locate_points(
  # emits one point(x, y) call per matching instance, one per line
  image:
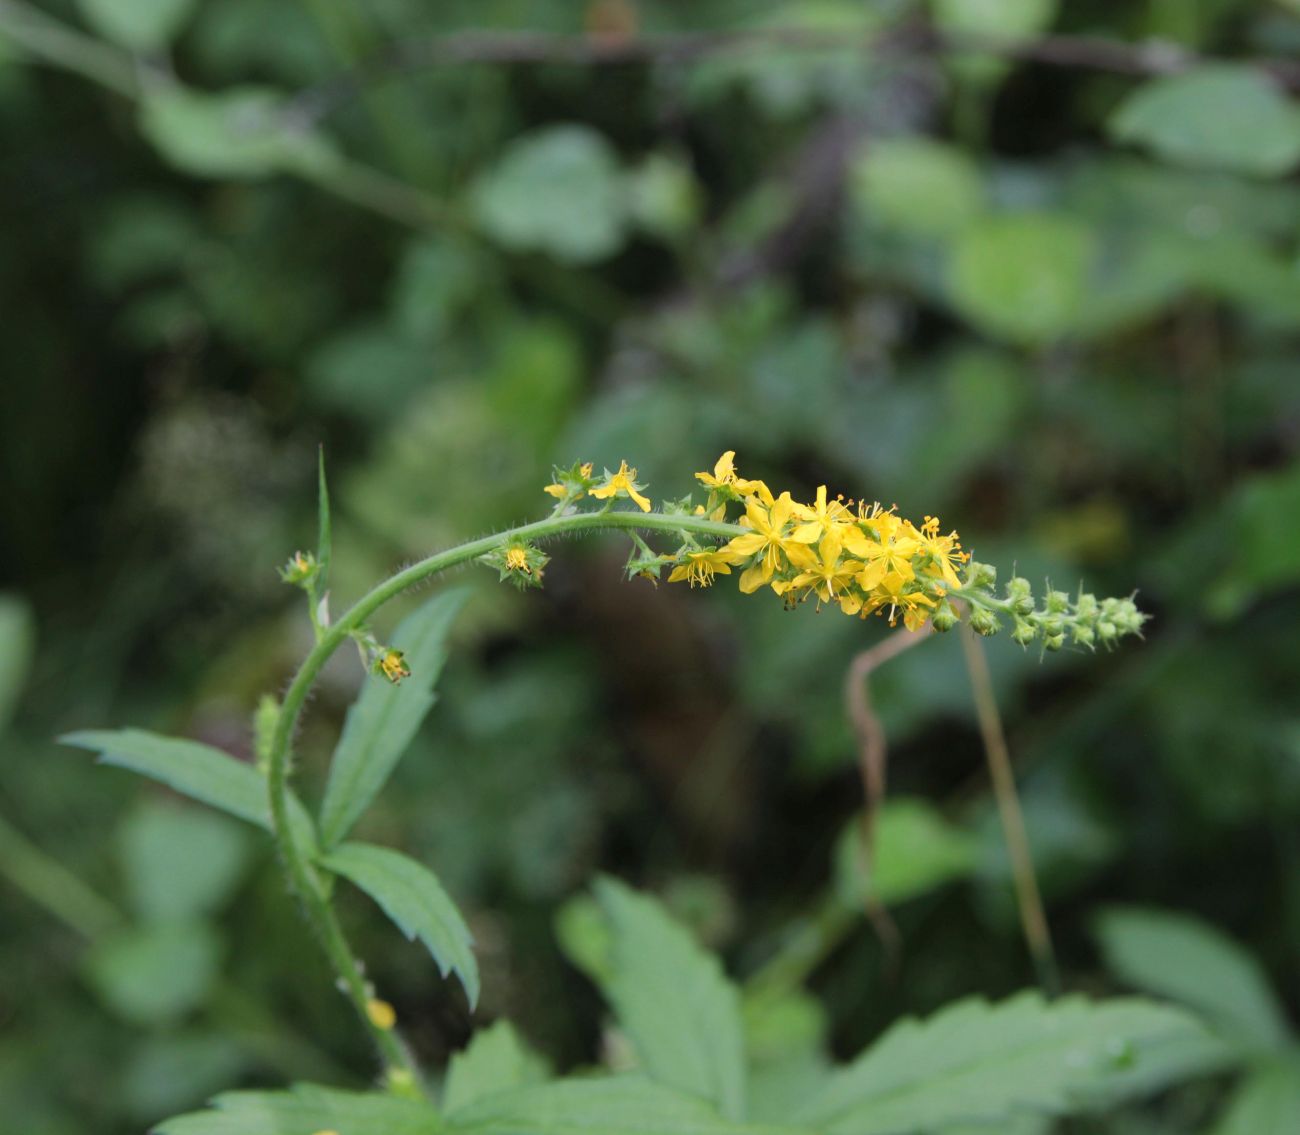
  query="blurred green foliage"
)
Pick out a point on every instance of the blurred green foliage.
point(1056, 304)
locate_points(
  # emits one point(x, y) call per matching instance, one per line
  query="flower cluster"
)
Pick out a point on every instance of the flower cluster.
point(860, 556)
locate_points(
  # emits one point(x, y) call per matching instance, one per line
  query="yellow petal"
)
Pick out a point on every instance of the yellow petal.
point(643, 502)
point(746, 545)
point(752, 578)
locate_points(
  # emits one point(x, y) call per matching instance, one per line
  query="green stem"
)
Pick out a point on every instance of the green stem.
point(297, 864)
point(53, 42)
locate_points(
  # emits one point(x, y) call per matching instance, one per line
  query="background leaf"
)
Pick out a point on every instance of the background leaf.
point(673, 1000)
point(916, 850)
point(1268, 1099)
point(412, 897)
point(623, 1105)
point(180, 862)
point(1189, 961)
point(975, 1061)
point(140, 25)
point(157, 973)
point(496, 1061)
point(17, 641)
point(1226, 117)
point(386, 715)
point(305, 1110)
point(1022, 277)
point(557, 190)
point(240, 133)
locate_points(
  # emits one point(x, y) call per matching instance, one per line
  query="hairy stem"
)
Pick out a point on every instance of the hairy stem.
point(296, 860)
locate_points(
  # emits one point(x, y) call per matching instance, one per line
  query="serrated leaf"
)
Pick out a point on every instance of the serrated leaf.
point(1022, 277)
point(671, 997)
point(619, 1105)
point(241, 133)
point(305, 1110)
point(558, 190)
point(17, 639)
point(139, 25)
point(497, 1060)
point(1218, 115)
point(1190, 961)
point(195, 770)
point(384, 718)
point(412, 897)
point(974, 1061)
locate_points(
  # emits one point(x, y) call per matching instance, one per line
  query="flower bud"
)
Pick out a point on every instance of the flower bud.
point(984, 622)
point(1056, 603)
point(1053, 642)
point(1024, 631)
point(944, 617)
point(1020, 594)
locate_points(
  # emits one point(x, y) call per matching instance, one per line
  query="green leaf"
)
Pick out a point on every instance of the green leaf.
point(305, 1110)
point(382, 721)
point(1267, 1100)
point(1189, 961)
point(241, 133)
point(155, 974)
point(917, 185)
point(1022, 277)
point(139, 25)
point(195, 770)
point(558, 191)
point(999, 21)
point(412, 897)
point(671, 997)
point(620, 1105)
point(17, 641)
point(180, 862)
point(1218, 115)
point(916, 850)
point(973, 1061)
point(497, 1060)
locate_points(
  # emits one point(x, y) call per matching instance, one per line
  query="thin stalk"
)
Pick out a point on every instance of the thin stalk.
point(49, 884)
point(298, 868)
point(51, 41)
point(1033, 918)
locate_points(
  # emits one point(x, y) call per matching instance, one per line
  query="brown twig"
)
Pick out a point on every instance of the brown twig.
point(510, 48)
point(1033, 918)
point(873, 768)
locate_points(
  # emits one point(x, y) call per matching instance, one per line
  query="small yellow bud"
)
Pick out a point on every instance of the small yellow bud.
point(382, 1015)
point(517, 560)
point(392, 664)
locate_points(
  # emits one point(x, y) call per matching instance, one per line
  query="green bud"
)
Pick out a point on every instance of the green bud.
point(1084, 635)
point(1052, 625)
point(944, 617)
point(1020, 594)
point(983, 621)
point(1056, 603)
point(1053, 641)
point(1024, 631)
point(981, 575)
point(301, 569)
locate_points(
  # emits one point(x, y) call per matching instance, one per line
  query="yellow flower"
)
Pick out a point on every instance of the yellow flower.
point(557, 490)
point(624, 481)
point(700, 567)
point(768, 540)
point(940, 552)
point(392, 664)
point(825, 573)
point(893, 555)
point(724, 477)
point(382, 1015)
point(820, 517)
point(913, 604)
